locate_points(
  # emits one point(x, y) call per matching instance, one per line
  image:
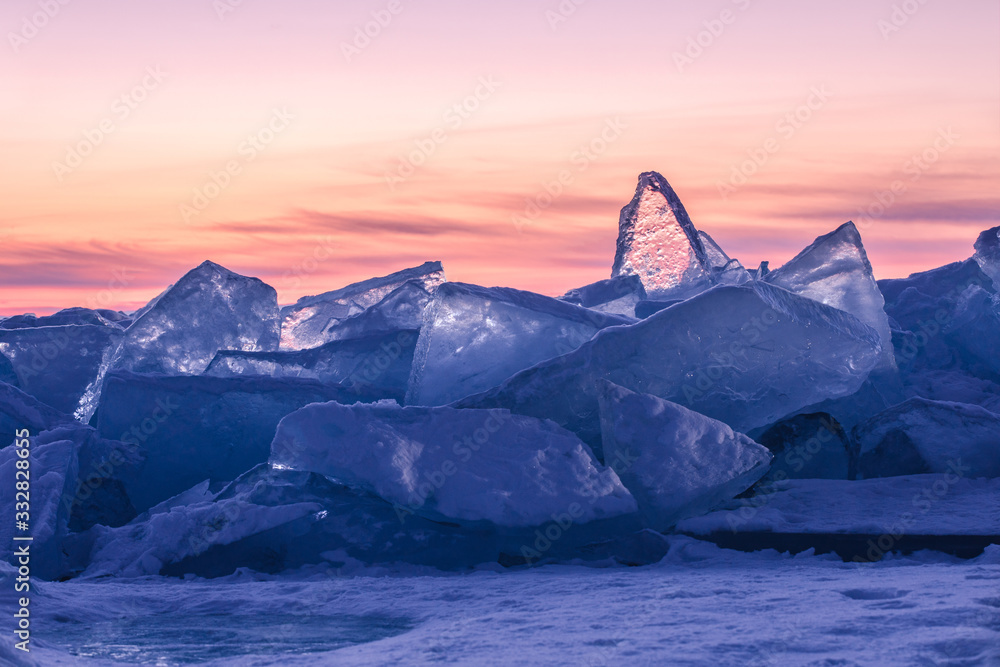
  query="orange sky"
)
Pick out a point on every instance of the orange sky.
point(115, 113)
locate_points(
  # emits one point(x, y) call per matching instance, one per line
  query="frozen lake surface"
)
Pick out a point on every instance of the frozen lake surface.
point(700, 606)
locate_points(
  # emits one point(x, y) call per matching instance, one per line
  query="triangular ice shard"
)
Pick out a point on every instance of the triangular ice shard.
point(835, 271)
point(658, 242)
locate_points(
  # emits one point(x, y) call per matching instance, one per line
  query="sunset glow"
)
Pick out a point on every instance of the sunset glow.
point(282, 141)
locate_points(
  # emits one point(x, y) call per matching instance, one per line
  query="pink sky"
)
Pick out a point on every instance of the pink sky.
point(111, 231)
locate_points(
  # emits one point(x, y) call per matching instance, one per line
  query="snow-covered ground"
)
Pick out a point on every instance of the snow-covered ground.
point(700, 606)
point(910, 504)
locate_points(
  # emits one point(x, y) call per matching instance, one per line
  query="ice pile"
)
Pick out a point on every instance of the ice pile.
point(746, 355)
point(473, 338)
point(59, 363)
point(191, 428)
point(409, 419)
point(180, 331)
point(209, 309)
point(618, 296)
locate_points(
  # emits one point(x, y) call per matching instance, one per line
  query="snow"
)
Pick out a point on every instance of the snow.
point(57, 364)
point(658, 242)
point(470, 466)
point(306, 323)
point(920, 435)
point(189, 428)
point(473, 338)
point(378, 364)
point(700, 606)
point(835, 270)
point(932, 504)
point(746, 356)
point(677, 463)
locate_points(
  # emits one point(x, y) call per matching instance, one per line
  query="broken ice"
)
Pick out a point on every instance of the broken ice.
point(469, 466)
point(658, 242)
point(835, 270)
point(307, 323)
point(473, 338)
point(746, 356)
point(675, 462)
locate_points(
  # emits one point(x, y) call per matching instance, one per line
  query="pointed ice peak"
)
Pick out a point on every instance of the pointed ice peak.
point(840, 250)
point(658, 242)
point(208, 309)
point(988, 254)
point(835, 270)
